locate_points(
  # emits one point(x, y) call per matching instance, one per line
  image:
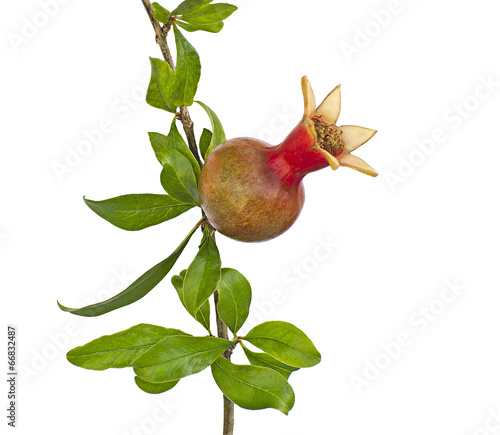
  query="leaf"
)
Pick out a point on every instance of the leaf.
point(210, 14)
point(178, 356)
point(176, 142)
point(178, 178)
point(154, 388)
point(187, 72)
point(218, 135)
point(203, 314)
point(138, 211)
point(285, 342)
point(235, 295)
point(161, 14)
point(253, 387)
point(212, 28)
point(202, 277)
point(189, 6)
point(138, 289)
point(160, 87)
point(121, 349)
point(158, 141)
point(205, 138)
point(265, 360)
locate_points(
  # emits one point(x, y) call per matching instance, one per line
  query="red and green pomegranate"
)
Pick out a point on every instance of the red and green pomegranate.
point(252, 191)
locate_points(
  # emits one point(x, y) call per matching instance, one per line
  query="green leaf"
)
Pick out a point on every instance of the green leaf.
point(218, 135)
point(205, 138)
point(189, 6)
point(161, 86)
point(285, 342)
point(253, 387)
point(178, 178)
point(154, 388)
point(203, 314)
point(202, 277)
point(158, 141)
point(138, 211)
point(161, 14)
point(235, 295)
point(176, 142)
point(212, 28)
point(178, 356)
point(265, 360)
point(121, 349)
point(210, 14)
point(138, 289)
point(187, 72)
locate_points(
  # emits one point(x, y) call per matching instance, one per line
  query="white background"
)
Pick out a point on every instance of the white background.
point(395, 243)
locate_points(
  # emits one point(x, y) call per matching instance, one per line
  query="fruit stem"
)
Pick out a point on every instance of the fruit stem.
point(228, 405)
point(161, 39)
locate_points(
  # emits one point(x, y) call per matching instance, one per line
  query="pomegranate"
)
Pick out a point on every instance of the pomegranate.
point(252, 191)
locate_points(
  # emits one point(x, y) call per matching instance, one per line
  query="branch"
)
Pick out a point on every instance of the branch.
point(228, 405)
point(161, 39)
point(183, 115)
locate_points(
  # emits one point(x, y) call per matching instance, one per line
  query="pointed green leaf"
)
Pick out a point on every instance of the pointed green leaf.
point(218, 135)
point(138, 289)
point(178, 178)
point(189, 6)
point(202, 277)
point(178, 356)
point(158, 141)
point(265, 360)
point(154, 388)
point(161, 86)
point(253, 387)
point(235, 295)
point(285, 342)
point(138, 211)
point(120, 349)
point(210, 14)
point(187, 71)
point(176, 142)
point(161, 14)
point(212, 28)
point(205, 138)
point(203, 314)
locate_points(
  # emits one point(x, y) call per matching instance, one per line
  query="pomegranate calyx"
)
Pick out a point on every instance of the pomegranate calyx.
point(335, 143)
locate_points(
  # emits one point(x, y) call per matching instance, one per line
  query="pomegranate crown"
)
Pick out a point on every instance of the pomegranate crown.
point(335, 143)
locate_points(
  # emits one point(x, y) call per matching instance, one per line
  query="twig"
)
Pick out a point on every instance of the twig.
point(222, 332)
point(228, 405)
point(161, 39)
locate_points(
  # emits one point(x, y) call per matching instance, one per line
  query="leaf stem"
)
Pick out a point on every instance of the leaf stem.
point(161, 39)
point(222, 332)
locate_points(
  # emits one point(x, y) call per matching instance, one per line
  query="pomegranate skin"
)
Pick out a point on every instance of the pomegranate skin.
point(243, 197)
